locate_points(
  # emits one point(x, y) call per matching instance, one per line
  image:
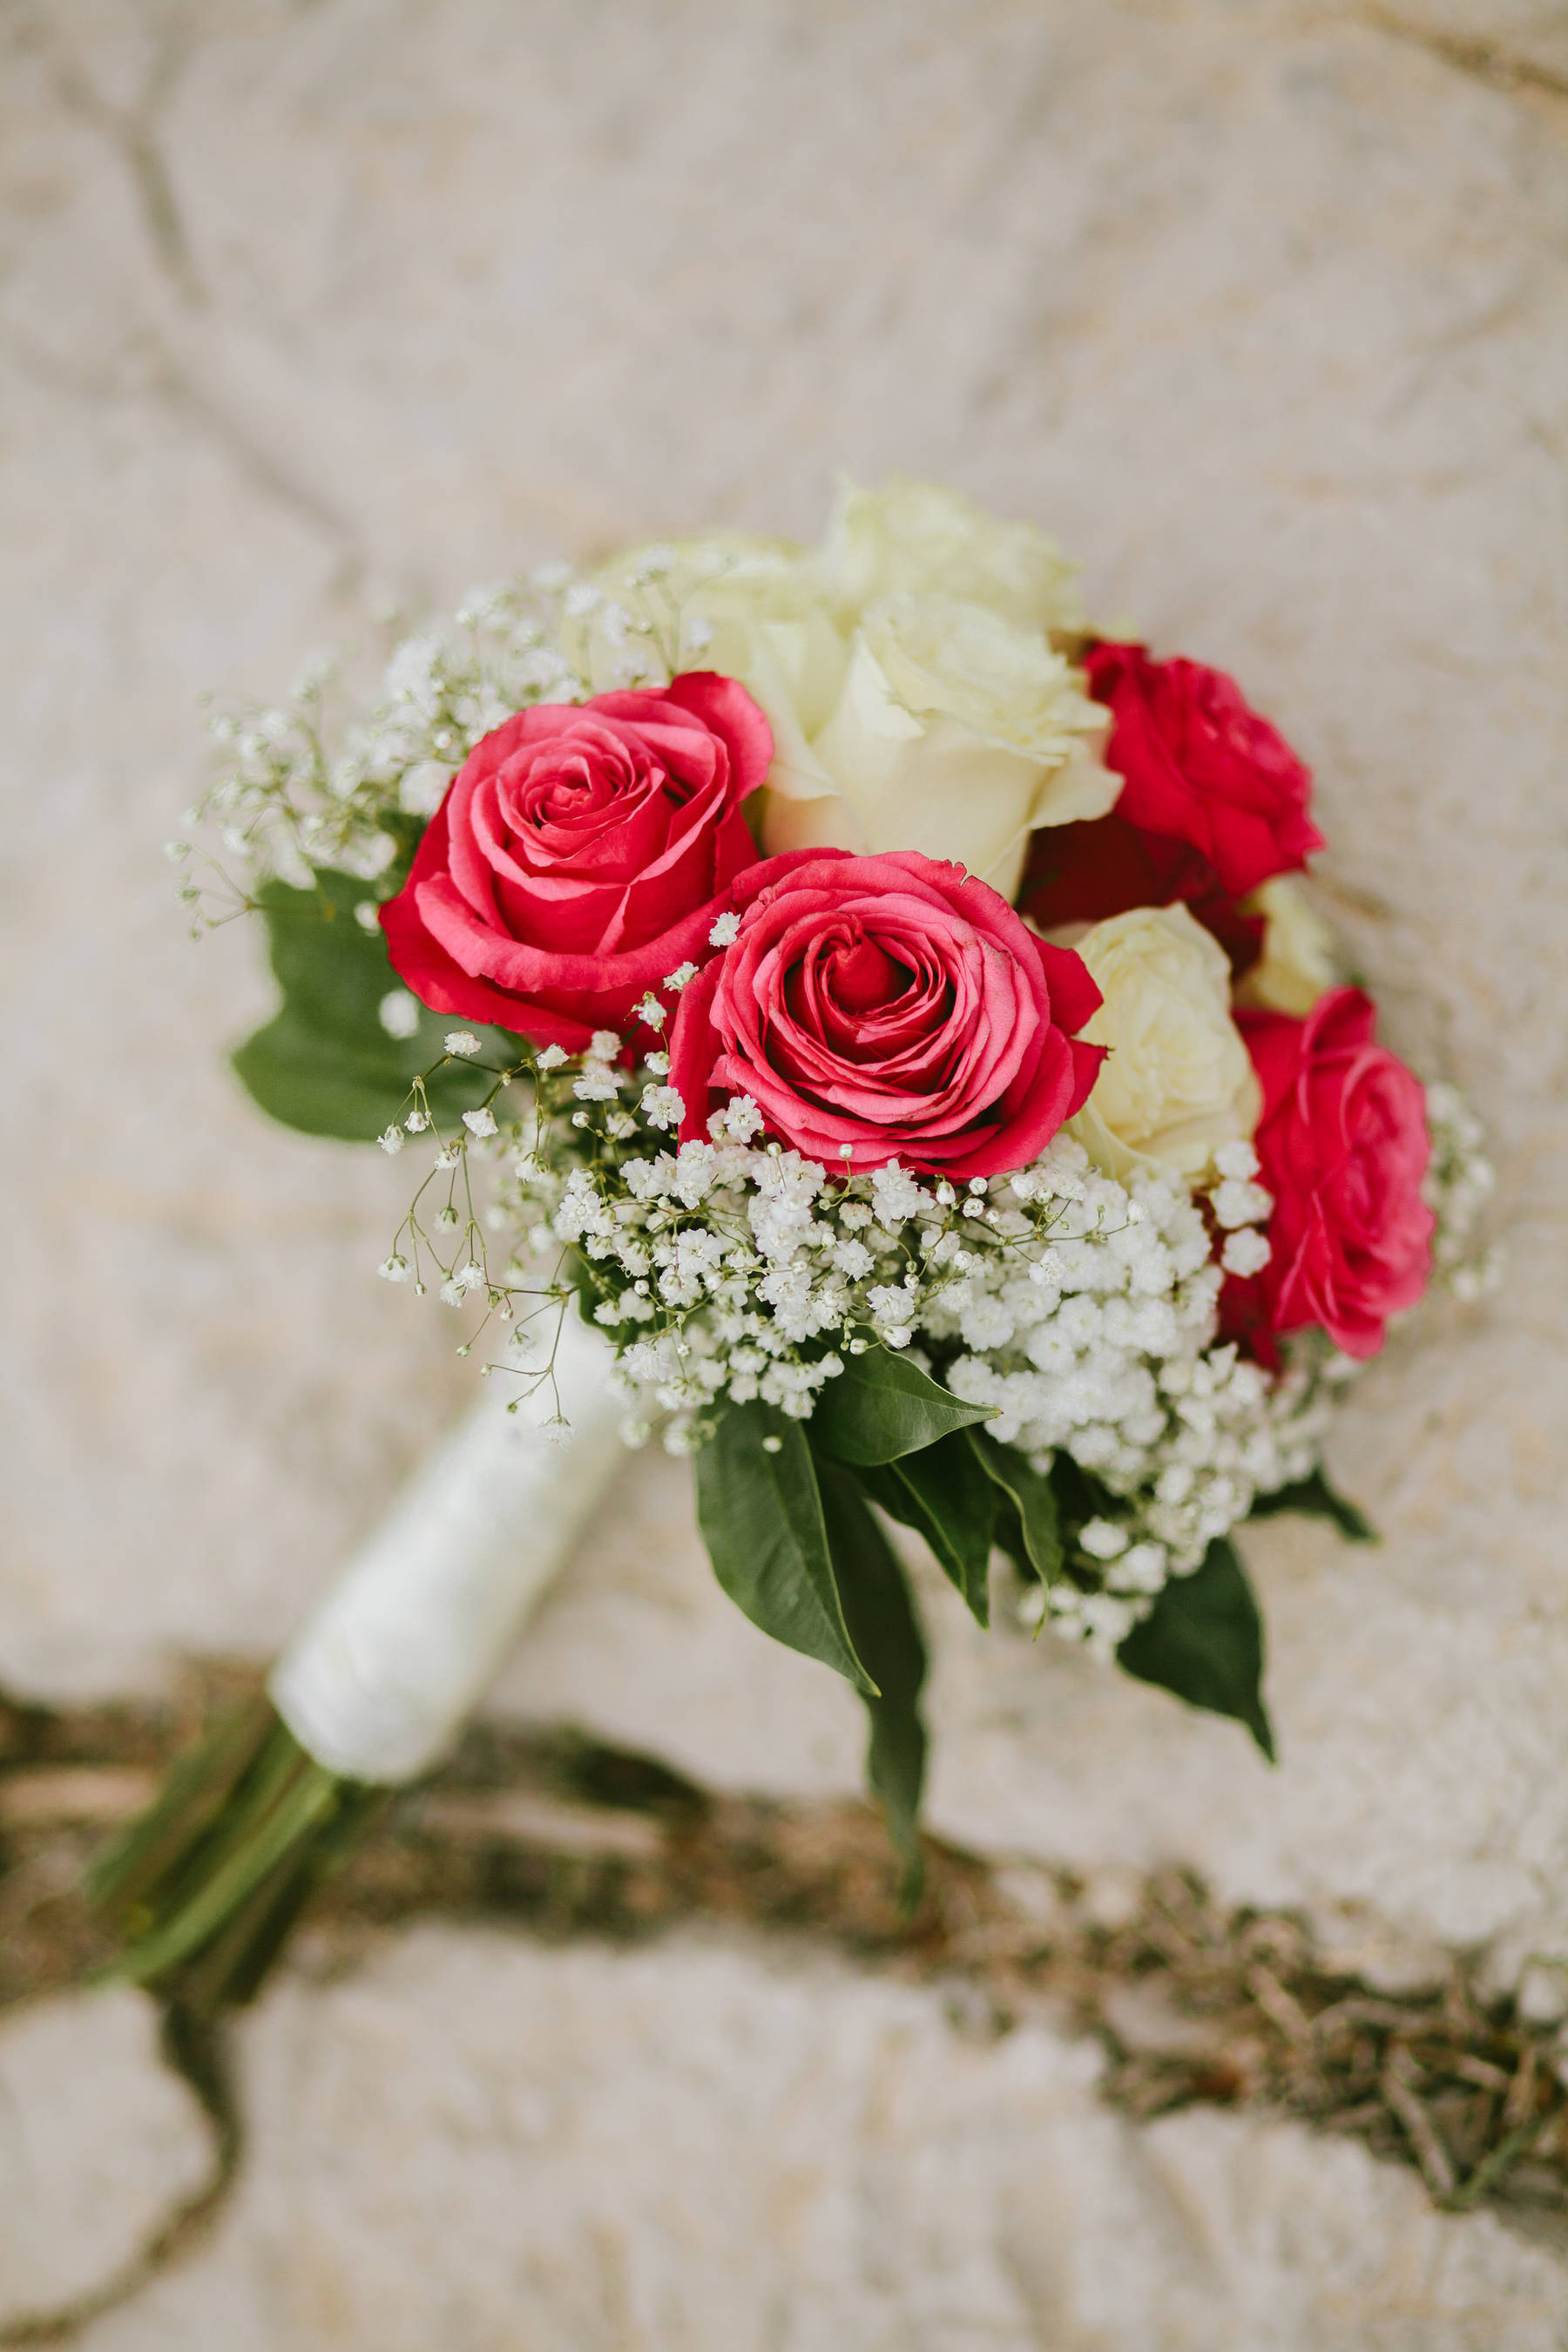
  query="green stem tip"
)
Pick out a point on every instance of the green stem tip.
point(205, 1886)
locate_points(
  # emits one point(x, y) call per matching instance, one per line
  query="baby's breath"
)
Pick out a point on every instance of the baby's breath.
point(1461, 1181)
point(299, 794)
point(730, 1269)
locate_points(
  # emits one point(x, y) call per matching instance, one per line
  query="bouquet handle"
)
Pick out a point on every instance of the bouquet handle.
point(372, 1693)
point(383, 1676)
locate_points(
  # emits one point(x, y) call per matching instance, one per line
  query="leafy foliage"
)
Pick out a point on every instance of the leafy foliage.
point(1028, 1521)
point(882, 1407)
point(796, 1546)
point(881, 1617)
point(760, 1510)
point(1204, 1640)
point(1081, 1496)
point(324, 1063)
point(967, 1494)
point(943, 1492)
point(1315, 1498)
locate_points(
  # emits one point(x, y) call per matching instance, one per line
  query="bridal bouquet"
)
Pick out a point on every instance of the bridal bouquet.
point(849, 1020)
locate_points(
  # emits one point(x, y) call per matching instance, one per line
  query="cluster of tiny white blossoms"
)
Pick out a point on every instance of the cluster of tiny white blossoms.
point(1103, 1347)
point(1082, 1311)
point(731, 1269)
point(298, 795)
point(1461, 1181)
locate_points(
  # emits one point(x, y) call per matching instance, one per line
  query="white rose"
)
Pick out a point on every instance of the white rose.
point(1298, 962)
point(943, 726)
point(1178, 1082)
point(734, 601)
point(918, 538)
point(956, 733)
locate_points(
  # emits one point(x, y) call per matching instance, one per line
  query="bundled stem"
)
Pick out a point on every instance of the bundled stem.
point(208, 1885)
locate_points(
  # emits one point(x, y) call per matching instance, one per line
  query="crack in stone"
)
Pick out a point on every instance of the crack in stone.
point(166, 380)
point(256, 465)
point(133, 132)
point(565, 1839)
point(162, 212)
point(1483, 60)
point(194, 2049)
point(1472, 54)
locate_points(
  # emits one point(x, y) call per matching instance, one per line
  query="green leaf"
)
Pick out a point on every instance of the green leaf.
point(1033, 1528)
point(943, 1492)
point(760, 1511)
point(1204, 1640)
point(881, 1406)
point(1081, 1496)
point(324, 1064)
point(1316, 1498)
point(881, 1618)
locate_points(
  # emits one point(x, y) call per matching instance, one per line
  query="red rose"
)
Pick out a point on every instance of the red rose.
point(1344, 1147)
point(1214, 802)
point(890, 1005)
point(576, 857)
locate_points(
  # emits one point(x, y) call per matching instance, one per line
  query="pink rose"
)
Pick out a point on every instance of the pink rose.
point(886, 1008)
point(1344, 1147)
point(1214, 802)
point(576, 857)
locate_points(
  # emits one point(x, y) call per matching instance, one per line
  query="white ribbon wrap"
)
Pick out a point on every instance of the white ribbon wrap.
point(395, 1658)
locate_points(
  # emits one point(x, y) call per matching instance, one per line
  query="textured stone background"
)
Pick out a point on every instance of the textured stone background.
point(307, 309)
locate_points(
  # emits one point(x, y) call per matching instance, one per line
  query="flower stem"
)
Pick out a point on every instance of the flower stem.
point(208, 1885)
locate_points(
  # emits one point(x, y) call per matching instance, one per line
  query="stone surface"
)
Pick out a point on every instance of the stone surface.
point(474, 2145)
point(1411, 1782)
point(99, 2144)
point(1262, 306)
point(1263, 314)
